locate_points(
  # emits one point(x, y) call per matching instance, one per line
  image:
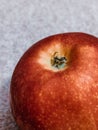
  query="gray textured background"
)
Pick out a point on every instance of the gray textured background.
point(23, 22)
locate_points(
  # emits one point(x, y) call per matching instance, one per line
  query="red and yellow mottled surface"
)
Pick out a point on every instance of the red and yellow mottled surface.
point(45, 98)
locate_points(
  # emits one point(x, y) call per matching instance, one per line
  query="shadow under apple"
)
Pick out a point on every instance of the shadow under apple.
point(6, 119)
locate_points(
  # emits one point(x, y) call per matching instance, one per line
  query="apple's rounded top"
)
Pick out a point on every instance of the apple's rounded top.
point(55, 53)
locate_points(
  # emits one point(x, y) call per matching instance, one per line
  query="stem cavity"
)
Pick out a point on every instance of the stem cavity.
point(57, 61)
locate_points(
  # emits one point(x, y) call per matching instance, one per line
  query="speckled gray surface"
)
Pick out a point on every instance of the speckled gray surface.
point(23, 22)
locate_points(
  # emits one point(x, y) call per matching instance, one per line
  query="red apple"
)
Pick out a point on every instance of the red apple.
point(55, 84)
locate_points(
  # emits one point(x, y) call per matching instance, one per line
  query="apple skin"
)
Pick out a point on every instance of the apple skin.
point(47, 98)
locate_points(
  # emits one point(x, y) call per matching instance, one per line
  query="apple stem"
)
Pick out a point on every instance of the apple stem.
point(58, 62)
